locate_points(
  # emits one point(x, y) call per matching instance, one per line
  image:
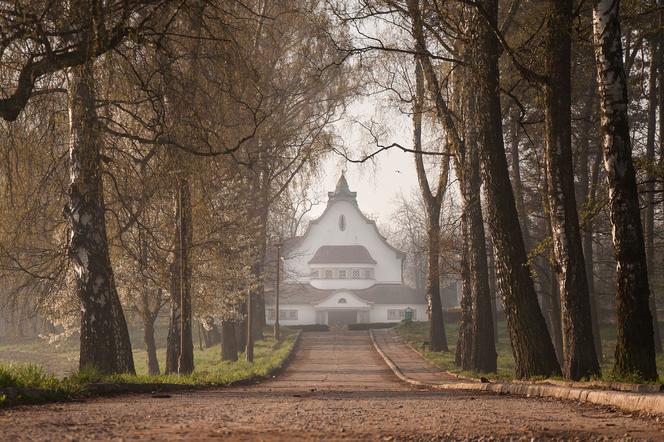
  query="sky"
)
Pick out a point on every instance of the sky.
point(380, 181)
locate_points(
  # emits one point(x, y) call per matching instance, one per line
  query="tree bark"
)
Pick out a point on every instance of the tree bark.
point(150, 346)
point(517, 183)
point(228, 341)
point(493, 290)
point(551, 291)
point(483, 355)
point(258, 295)
point(635, 348)
point(179, 343)
point(463, 351)
point(482, 351)
point(579, 357)
point(586, 197)
point(433, 204)
point(105, 340)
point(531, 344)
point(650, 183)
point(211, 335)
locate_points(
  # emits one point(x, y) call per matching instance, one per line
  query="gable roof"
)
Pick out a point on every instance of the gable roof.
point(342, 193)
point(342, 255)
point(376, 294)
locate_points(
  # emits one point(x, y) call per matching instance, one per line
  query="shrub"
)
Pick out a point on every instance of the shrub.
point(371, 325)
point(310, 327)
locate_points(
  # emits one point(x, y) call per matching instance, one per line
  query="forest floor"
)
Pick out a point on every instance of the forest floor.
point(335, 388)
point(417, 332)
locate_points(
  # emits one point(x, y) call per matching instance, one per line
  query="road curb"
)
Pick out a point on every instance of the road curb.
point(651, 403)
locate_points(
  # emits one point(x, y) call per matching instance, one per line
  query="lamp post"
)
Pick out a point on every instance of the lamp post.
point(276, 310)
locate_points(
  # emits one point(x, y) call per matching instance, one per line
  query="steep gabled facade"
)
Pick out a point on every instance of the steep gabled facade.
point(343, 271)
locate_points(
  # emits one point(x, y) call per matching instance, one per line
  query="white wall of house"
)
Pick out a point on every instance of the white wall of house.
point(326, 231)
point(348, 283)
point(306, 314)
point(379, 312)
point(349, 302)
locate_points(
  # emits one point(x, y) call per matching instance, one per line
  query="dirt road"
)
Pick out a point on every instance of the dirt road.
point(336, 388)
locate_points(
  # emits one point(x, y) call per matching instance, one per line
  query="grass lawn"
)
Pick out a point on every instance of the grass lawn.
point(417, 332)
point(210, 369)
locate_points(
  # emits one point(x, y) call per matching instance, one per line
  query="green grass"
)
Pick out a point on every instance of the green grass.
point(42, 386)
point(417, 332)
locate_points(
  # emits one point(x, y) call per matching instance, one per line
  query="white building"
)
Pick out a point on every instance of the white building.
point(343, 271)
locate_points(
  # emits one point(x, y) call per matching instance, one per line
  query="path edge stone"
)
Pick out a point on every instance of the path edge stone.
point(651, 403)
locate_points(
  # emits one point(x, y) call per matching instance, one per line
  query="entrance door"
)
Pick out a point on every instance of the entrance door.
point(341, 317)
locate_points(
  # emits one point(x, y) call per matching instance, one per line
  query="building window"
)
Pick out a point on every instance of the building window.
point(314, 274)
point(328, 274)
point(288, 315)
point(368, 274)
point(395, 315)
point(342, 274)
point(342, 301)
point(342, 223)
point(399, 315)
point(270, 315)
point(356, 274)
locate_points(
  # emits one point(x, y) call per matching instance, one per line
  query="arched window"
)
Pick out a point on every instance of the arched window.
point(341, 301)
point(342, 223)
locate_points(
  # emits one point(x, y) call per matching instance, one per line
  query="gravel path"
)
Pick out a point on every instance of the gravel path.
point(336, 388)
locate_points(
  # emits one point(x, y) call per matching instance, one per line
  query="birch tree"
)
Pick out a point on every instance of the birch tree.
point(635, 349)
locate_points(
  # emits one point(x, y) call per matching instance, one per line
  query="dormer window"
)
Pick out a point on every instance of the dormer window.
point(342, 301)
point(342, 223)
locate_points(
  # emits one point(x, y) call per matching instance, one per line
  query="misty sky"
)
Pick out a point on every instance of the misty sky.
point(378, 183)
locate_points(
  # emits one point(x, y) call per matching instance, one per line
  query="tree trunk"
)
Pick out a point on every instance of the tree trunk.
point(463, 353)
point(179, 343)
point(586, 196)
point(551, 291)
point(105, 340)
point(635, 348)
point(150, 346)
point(531, 343)
point(433, 204)
point(228, 341)
point(241, 329)
point(650, 185)
point(517, 183)
point(210, 332)
point(579, 357)
point(493, 290)
point(484, 356)
point(258, 295)
point(437, 336)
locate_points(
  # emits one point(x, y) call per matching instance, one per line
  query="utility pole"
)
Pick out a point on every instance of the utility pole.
point(276, 310)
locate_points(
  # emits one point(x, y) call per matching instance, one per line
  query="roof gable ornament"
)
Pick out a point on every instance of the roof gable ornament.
point(342, 191)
